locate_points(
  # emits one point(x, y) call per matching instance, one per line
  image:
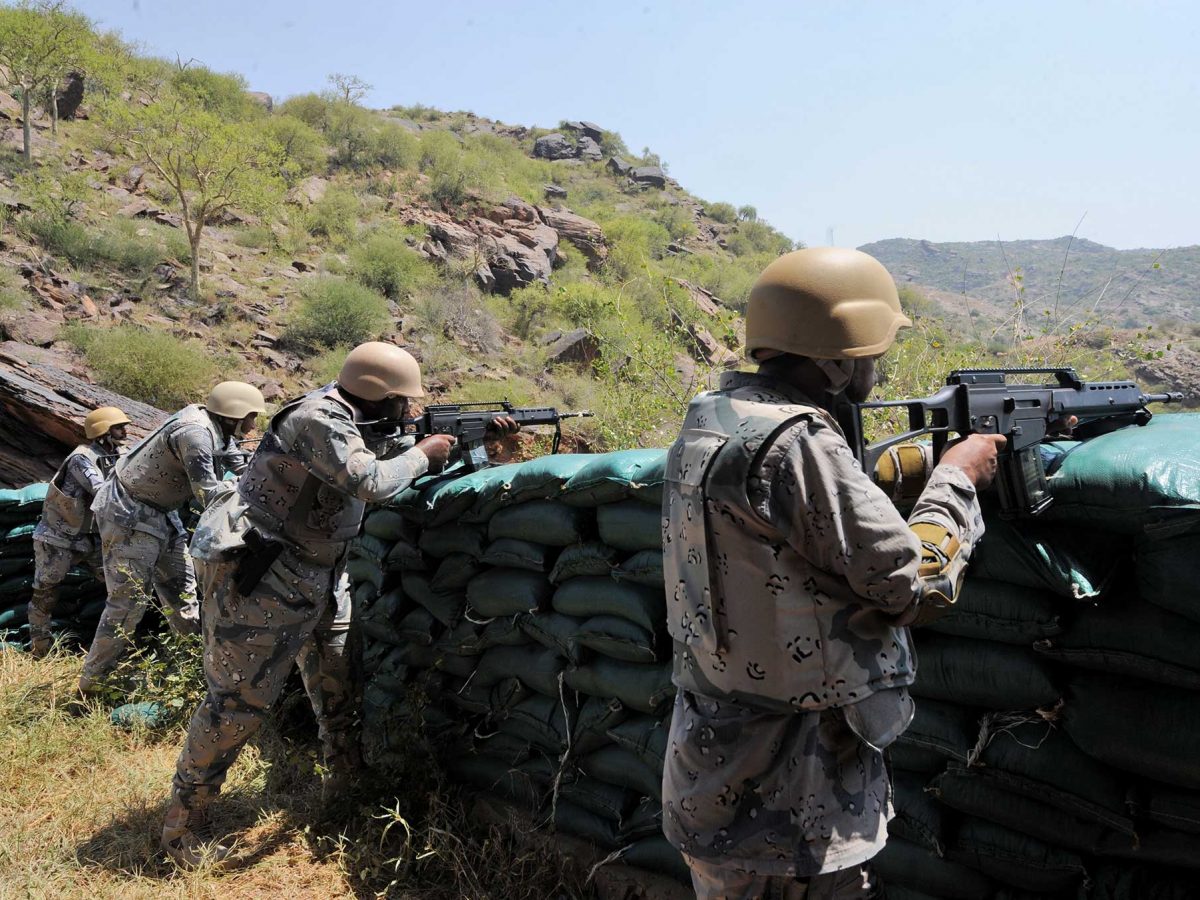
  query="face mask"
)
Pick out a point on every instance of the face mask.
point(837, 372)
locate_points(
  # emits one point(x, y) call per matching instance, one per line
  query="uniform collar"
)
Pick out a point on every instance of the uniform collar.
point(733, 380)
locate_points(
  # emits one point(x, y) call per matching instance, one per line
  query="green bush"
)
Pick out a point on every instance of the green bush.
point(12, 290)
point(335, 311)
point(311, 109)
point(117, 244)
point(753, 236)
point(393, 147)
point(725, 213)
point(152, 366)
point(256, 237)
point(387, 264)
point(334, 216)
point(216, 92)
point(62, 238)
point(325, 366)
point(304, 150)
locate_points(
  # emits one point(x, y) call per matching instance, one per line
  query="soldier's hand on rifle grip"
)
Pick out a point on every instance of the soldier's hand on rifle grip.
point(502, 426)
point(975, 454)
point(437, 448)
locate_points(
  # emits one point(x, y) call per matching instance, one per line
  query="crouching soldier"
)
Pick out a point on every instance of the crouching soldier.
point(66, 535)
point(142, 538)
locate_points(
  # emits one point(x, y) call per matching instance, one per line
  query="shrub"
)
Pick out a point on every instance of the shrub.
point(256, 237)
point(387, 264)
point(393, 147)
point(303, 147)
point(753, 236)
point(12, 292)
point(118, 243)
point(334, 216)
point(335, 311)
point(721, 212)
point(677, 220)
point(218, 93)
point(457, 311)
point(325, 366)
point(311, 109)
point(62, 238)
point(350, 130)
point(152, 366)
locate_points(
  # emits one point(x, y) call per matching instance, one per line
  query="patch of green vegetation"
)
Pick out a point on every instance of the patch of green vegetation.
point(12, 291)
point(385, 263)
point(333, 311)
point(325, 366)
point(304, 149)
point(152, 366)
point(335, 216)
point(255, 237)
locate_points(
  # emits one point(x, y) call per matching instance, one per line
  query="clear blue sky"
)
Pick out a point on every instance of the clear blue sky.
point(947, 121)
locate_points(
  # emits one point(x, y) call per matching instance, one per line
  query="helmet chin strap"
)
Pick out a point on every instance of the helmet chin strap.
point(837, 371)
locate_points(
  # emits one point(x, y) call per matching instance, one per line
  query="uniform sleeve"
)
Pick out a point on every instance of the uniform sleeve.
point(234, 458)
point(86, 473)
point(813, 490)
point(194, 447)
point(331, 448)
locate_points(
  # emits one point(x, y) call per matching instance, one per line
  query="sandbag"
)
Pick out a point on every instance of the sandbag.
point(1139, 639)
point(447, 607)
point(588, 558)
point(463, 639)
point(513, 554)
point(1113, 881)
point(644, 820)
point(1073, 563)
point(997, 611)
point(542, 721)
point(15, 616)
point(361, 571)
point(1166, 573)
point(618, 638)
point(32, 495)
point(501, 632)
point(462, 667)
point(454, 572)
point(945, 729)
point(646, 688)
point(645, 737)
point(1169, 806)
point(609, 801)
point(630, 525)
point(1156, 846)
point(595, 595)
point(1015, 859)
point(147, 714)
point(1149, 729)
point(507, 747)
point(596, 716)
point(16, 586)
point(986, 674)
point(405, 555)
point(417, 626)
point(543, 478)
point(616, 765)
point(655, 854)
point(487, 773)
point(548, 522)
point(1131, 479)
point(570, 818)
point(644, 567)
point(453, 538)
point(555, 631)
point(918, 818)
point(537, 667)
point(446, 498)
point(900, 862)
point(13, 566)
point(387, 524)
point(507, 592)
point(615, 476)
point(371, 548)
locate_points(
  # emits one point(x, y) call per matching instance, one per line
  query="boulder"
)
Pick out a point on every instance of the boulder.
point(406, 124)
point(69, 96)
point(138, 206)
point(263, 99)
point(592, 130)
point(618, 166)
point(650, 175)
point(39, 329)
point(578, 347)
point(310, 190)
point(580, 232)
point(553, 146)
point(704, 300)
point(554, 192)
point(508, 254)
point(10, 108)
point(588, 149)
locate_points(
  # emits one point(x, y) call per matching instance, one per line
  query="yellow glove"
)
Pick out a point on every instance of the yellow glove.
point(903, 470)
point(943, 566)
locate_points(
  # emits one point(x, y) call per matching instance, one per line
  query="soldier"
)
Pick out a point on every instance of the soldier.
point(790, 579)
point(66, 535)
point(143, 540)
point(271, 564)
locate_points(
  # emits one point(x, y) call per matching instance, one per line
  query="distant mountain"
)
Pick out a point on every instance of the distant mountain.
point(1128, 287)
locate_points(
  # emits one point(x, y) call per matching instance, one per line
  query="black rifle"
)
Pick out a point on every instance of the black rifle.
point(469, 422)
point(982, 401)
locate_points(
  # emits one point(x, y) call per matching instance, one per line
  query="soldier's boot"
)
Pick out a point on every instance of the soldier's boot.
point(187, 835)
point(340, 777)
point(40, 607)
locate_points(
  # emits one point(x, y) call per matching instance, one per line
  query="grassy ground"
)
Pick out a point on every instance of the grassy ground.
point(81, 805)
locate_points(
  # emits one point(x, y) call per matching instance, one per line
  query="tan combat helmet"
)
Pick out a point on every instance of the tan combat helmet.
point(375, 371)
point(101, 421)
point(235, 400)
point(824, 303)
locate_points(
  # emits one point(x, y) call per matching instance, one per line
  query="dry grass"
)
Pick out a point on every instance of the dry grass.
point(81, 805)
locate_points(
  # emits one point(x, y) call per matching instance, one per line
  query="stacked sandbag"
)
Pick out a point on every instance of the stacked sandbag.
point(81, 597)
point(517, 615)
point(1053, 753)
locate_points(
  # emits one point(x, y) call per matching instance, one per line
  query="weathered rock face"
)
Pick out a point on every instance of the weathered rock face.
point(308, 191)
point(510, 246)
point(577, 347)
point(589, 150)
point(70, 96)
point(553, 146)
point(42, 407)
point(619, 166)
point(554, 192)
point(580, 232)
point(651, 175)
point(10, 108)
point(263, 99)
point(592, 130)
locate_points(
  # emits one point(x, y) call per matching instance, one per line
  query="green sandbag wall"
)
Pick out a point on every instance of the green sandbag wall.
point(516, 616)
point(80, 596)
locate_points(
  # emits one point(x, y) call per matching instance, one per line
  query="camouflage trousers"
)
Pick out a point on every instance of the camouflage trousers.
point(298, 613)
point(712, 882)
point(51, 565)
point(135, 564)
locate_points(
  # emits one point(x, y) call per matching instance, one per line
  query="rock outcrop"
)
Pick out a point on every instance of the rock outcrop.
point(69, 96)
point(553, 146)
point(580, 232)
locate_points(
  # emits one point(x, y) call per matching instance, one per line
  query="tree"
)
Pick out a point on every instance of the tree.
point(349, 88)
point(40, 41)
point(209, 164)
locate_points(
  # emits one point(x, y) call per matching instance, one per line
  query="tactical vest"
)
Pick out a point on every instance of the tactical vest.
point(292, 503)
point(151, 472)
point(66, 515)
point(751, 618)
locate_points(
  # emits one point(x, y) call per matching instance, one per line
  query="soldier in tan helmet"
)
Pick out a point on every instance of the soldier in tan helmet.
point(143, 540)
point(66, 535)
point(271, 564)
point(790, 578)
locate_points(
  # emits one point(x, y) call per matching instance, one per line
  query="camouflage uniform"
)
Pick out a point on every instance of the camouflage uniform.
point(66, 535)
point(306, 489)
point(789, 576)
point(142, 537)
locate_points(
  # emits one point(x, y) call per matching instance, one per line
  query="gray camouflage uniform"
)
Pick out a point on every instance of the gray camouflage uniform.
point(789, 577)
point(306, 489)
point(142, 537)
point(66, 534)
